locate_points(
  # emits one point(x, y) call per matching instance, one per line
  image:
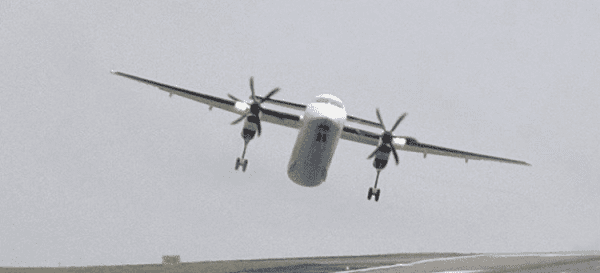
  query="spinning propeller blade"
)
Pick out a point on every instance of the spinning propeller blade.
point(387, 137)
point(380, 120)
point(373, 153)
point(395, 155)
point(255, 107)
point(252, 89)
point(273, 92)
point(239, 119)
point(234, 98)
point(398, 122)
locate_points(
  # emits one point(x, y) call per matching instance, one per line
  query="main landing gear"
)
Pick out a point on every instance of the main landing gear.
point(381, 159)
point(374, 191)
point(248, 135)
point(241, 162)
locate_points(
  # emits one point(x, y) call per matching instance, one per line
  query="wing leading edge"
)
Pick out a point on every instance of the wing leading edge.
point(271, 116)
point(410, 144)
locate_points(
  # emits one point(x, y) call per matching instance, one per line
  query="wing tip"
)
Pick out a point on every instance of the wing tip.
point(517, 162)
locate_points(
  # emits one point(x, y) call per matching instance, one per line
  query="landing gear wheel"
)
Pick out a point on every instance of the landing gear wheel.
point(370, 194)
point(244, 165)
point(237, 164)
point(377, 195)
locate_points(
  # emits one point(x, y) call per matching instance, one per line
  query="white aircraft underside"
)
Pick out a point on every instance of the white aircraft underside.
point(320, 128)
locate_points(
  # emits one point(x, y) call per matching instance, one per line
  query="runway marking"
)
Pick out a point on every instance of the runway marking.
point(468, 271)
point(410, 264)
point(458, 258)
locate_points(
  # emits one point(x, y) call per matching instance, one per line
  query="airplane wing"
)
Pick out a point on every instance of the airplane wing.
point(412, 145)
point(302, 107)
point(271, 116)
point(293, 121)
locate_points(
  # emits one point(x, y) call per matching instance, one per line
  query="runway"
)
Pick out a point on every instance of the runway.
point(519, 262)
point(405, 262)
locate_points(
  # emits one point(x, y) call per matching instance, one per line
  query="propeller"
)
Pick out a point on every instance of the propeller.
point(387, 137)
point(255, 107)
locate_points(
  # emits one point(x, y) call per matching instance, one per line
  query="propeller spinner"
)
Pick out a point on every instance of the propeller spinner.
point(387, 137)
point(255, 107)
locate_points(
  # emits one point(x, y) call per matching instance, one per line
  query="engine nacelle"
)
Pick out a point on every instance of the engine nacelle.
point(382, 156)
point(379, 163)
point(250, 127)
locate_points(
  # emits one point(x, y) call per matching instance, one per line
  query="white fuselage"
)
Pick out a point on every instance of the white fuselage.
point(322, 126)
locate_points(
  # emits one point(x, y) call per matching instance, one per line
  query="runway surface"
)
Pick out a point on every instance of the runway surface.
point(407, 262)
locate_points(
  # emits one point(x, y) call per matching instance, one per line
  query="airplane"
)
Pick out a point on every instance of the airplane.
point(321, 126)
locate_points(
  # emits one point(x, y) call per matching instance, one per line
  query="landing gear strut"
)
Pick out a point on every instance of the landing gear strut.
point(374, 190)
point(248, 135)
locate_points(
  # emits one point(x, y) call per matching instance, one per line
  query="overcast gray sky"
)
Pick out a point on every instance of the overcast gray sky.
point(97, 169)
